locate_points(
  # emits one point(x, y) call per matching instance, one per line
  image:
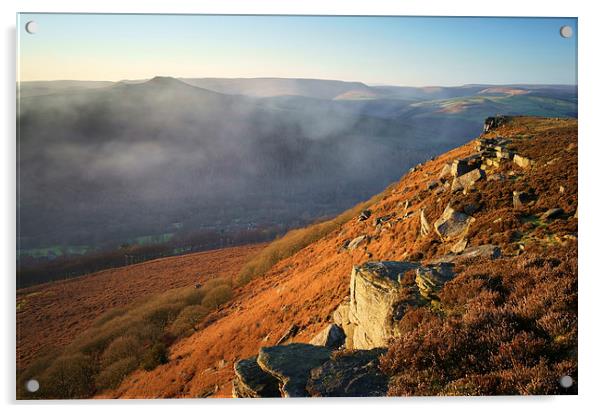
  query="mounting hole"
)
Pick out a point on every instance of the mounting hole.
point(566, 31)
point(566, 381)
point(31, 27)
point(32, 385)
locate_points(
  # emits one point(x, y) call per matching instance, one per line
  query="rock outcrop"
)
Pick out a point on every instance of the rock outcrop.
point(252, 382)
point(291, 365)
point(494, 122)
point(375, 301)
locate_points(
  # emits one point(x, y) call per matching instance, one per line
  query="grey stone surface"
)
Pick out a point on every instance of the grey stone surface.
point(467, 180)
point(251, 381)
point(431, 278)
point(355, 374)
point(292, 364)
point(374, 299)
point(452, 223)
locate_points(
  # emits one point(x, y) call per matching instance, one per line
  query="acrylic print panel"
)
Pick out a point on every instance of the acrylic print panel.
point(296, 206)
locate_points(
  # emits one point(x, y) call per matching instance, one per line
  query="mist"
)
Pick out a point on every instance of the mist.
point(100, 166)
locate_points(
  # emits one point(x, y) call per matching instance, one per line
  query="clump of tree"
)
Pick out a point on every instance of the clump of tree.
point(123, 340)
point(32, 271)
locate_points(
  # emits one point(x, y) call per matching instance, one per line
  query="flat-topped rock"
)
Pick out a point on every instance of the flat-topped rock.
point(251, 381)
point(292, 364)
point(355, 374)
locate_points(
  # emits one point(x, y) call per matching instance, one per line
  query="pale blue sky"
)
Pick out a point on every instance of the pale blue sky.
point(415, 51)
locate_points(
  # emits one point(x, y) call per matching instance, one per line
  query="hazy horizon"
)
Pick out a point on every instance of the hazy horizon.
point(298, 78)
point(394, 51)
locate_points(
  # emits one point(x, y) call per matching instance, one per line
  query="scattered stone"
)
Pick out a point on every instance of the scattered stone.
point(445, 171)
point(344, 245)
point(425, 226)
point(462, 166)
point(481, 251)
point(288, 334)
point(383, 219)
point(452, 223)
point(364, 215)
point(332, 336)
point(292, 365)
point(459, 246)
point(431, 278)
point(356, 242)
point(251, 381)
point(349, 375)
point(467, 180)
point(520, 198)
point(503, 154)
point(552, 214)
point(495, 177)
point(522, 161)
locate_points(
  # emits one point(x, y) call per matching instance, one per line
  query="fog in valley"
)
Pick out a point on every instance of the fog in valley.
point(101, 164)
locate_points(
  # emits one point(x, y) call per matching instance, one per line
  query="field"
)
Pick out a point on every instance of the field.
point(51, 315)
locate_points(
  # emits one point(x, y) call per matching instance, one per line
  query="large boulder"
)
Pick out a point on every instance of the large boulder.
point(292, 364)
point(452, 224)
point(375, 305)
point(353, 374)
point(251, 381)
point(331, 336)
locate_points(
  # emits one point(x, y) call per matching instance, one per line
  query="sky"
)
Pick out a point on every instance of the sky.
point(406, 51)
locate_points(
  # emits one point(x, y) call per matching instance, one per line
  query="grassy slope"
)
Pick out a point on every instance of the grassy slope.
point(306, 287)
point(51, 315)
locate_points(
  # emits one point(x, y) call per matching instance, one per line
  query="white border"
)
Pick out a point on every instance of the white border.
point(590, 145)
